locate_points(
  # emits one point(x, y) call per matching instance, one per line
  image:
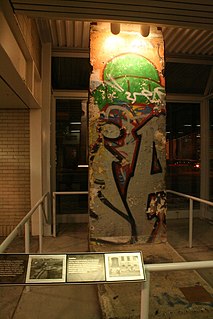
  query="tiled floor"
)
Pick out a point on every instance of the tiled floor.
point(167, 300)
point(81, 301)
point(202, 242)
point(52, 302)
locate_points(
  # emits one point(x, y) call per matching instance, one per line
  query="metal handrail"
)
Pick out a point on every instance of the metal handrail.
point(54, 204)
point(26, 222)
point(204, 201)
point(191, 199)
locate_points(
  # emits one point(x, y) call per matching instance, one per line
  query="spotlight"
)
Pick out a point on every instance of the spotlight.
point(145, 29)
point(115, 28)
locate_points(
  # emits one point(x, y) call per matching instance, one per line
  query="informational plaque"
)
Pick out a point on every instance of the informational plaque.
point(13, 268)
point(46, 269)
point(85, 267)
point(71, 268)
point(124, 266)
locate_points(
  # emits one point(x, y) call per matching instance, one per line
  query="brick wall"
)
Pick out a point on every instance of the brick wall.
point(14, 168)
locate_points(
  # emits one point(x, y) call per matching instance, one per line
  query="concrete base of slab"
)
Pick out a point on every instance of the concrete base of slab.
point(123, 300)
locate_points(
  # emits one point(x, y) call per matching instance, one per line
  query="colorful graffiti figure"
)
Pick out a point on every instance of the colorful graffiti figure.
point(131, 95)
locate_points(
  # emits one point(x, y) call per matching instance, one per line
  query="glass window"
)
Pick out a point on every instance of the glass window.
point(70, 73)
point(183, 152)
point(211, 150)
point(71, 168)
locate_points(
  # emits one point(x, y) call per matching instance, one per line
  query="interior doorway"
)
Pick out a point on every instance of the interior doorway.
point(71, 165)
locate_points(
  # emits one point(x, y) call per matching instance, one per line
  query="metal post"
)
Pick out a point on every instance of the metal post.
point(145, 297)
point(27, 236)
point(46, 207)
point(40, 228)
point(27, 245)
point(190, 221)
point(54, 215)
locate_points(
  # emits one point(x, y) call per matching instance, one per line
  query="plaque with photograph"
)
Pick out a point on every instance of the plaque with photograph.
point(46, 269)
point(122, 266)
point(13, 268)
point(85, 267)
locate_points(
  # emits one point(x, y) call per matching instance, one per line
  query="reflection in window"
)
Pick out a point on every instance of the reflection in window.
point(211, 151)
point(71, 157)
point(183, 152)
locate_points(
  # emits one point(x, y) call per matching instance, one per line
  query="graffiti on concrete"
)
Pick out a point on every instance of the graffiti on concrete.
point(156, 211)
point(130, 95)
point(156, 165)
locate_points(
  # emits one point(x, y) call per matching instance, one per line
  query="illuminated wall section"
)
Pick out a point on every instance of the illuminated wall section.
point(127, 135)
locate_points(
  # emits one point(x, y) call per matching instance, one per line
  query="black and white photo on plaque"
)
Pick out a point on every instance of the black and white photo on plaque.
point(124, 266)
point(46, 268)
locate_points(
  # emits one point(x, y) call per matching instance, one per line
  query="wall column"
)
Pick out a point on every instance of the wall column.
point(46, 114)
point(204, 156)
point(35, 163)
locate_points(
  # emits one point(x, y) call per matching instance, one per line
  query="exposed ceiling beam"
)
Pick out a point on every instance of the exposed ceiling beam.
point(9, 98)
point(189, 59)
point(185, 13)
point(70, 53)
point(13, 23)
point(13, 80)
point(184, 98)
point(177, 58)
point(64, 94)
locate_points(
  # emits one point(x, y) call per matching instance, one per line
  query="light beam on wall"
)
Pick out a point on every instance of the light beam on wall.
point(118, 39)
point(112, 43)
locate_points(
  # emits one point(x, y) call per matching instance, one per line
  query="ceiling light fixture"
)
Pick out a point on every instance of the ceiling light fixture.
point(145, 29)
point(115, 28)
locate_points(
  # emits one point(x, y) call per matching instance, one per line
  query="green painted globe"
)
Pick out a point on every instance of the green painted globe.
point(128, 78)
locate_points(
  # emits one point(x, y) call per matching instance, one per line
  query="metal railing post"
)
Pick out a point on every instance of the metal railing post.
point(8, 240)
point(54, 205)
point(27, 245)
point(54, 214)
point(27, 236)
point(46, 207)
point(40, 220)
point(145, 287)
point(190, 221)
point(191, 199)
point(189, 265)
